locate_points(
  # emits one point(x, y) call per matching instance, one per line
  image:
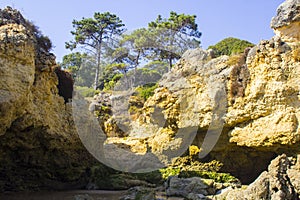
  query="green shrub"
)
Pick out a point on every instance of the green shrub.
point(110, 84)
point(146, 91)
point(169, 171)
point(230, 46)
point(216, 176)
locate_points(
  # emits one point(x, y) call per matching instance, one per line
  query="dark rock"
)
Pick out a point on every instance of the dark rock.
point(65, 84)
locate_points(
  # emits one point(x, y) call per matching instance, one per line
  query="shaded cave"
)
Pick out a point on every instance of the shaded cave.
point(65, 84)
point(242, 162)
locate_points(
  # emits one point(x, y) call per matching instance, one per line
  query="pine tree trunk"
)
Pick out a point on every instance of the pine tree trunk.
point(96, 81)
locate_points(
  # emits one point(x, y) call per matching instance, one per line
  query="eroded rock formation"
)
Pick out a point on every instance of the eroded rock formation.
point(250, 105)
point(276, 183)
point(39, 146)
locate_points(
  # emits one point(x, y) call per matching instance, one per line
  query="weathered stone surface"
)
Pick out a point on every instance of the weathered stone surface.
point(286, 23)
point(246, 107)
point(273, 184)
point(140, 193)
point(287, 13)
point(195, 188)
point(39, 146)
point(293, 173)
point(184, 186)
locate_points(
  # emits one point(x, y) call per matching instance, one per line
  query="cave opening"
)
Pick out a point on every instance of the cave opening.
point(65, 84)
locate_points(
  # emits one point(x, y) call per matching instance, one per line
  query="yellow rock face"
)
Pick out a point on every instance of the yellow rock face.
point(268, 114)
point(256, 117)
point(36, 126)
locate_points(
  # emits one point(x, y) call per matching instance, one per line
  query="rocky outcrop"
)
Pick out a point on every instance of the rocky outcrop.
point(195, 186)
point(287, 13)
point(287, 20)
point(277, 183)
point(241, 110)
point(39, 146)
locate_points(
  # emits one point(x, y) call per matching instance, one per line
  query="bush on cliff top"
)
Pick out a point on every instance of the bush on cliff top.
point(230, 46)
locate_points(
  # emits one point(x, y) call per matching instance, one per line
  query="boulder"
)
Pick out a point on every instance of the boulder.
point(277, 183)
point(287, 13)
point(195, 187)
point(287, 21)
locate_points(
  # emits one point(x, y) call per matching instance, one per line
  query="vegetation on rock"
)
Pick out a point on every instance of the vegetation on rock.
point(41, 150)
point(230, 46)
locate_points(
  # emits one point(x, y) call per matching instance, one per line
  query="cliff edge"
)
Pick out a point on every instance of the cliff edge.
point(39, 144)
point(241, 110)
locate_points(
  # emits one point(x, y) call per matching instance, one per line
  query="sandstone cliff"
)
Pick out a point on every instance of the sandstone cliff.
point(248, 104)
point(39, 146)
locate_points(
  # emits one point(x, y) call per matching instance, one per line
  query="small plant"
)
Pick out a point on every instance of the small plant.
point(216, 176)
point(193, 150)
point(169, 171)
point(146, 91)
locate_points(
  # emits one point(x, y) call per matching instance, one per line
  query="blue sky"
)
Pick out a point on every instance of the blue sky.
point(216, 19)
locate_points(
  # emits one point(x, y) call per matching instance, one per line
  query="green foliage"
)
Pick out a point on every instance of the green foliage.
point(132, 48)
point(144, 76)
point(119, 67)
point(82, 68)
point(169, 171)
point(230, 46)
point(73, 62)
point(111, 83)
point(117, 77)
point(92, 31)
point(159, 66)
point(216, 176)
point(174, 35)
point(189, 168)
point(146, 91)
point(44, 42)
point(86, 92)
point(93, 35)
point(182, 23)
point(154, 177)
point(108, 178)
